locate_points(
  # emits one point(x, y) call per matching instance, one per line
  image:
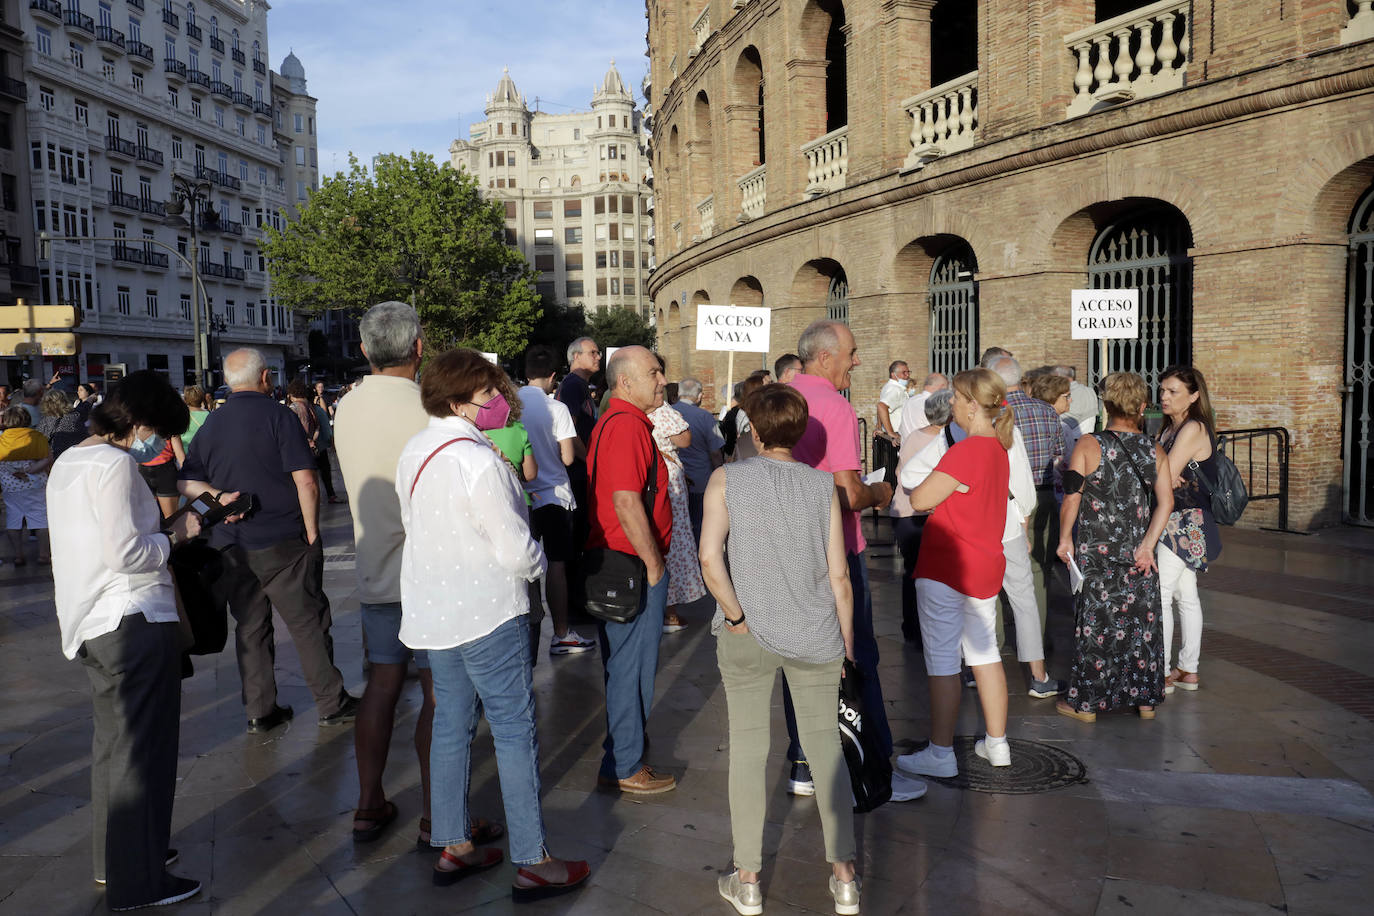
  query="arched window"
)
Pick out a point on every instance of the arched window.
point(1359, 367)
point(837, 68)
point(190, 14)
point(234, 39)
point(214, 26)
point(953, 298)
point(1147, 250)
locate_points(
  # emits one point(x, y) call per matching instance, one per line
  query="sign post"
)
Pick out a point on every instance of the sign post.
point(31, 330)
point(1105, 314)
point(734, 329)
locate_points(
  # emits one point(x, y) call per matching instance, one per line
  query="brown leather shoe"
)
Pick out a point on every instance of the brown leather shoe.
point(645, 782)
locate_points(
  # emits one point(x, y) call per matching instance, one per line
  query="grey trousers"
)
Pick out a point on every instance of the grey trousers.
point(748, 671)
point(290, 577)
point(135, 677)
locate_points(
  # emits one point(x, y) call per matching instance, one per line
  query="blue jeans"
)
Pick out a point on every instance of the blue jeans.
point(865, 657)
point(629, 657)
point(494, 669)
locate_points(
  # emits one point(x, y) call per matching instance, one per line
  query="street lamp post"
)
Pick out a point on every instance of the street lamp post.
point(194, 198)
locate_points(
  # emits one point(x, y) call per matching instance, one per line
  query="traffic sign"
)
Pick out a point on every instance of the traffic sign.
point(23, 317)
point(29, 344)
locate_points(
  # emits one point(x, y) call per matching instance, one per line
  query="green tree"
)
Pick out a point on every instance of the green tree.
point(617, 327)
point(411, 229)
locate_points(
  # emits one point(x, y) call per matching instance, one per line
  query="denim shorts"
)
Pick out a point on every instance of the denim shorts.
point(381, 630)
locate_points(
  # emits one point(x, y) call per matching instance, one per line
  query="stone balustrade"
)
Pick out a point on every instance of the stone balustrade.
point(753, 189)
point(1361, 25)
point(707, 211)
point(1107, 73)
point(827, 162)
point(944, 120)
point(701, 29)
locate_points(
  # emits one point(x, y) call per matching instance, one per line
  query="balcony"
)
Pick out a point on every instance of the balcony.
point(707, 211)
point(827, 162)
point(118, 146)
point(46, 9)
point(154, 208)
point(219, 87)
point(216, 44)
point(1361, 25)
point(197, 78)
point(243, 100)
point(124, 201)
point(753, 189)
point(75, 19)
point(256, 278)
point(170, 18)
point(136, 4)
point(238, 56)
point(174, 69)
point(194, 32)
point(259, 67)
point(1107, 73)
point(223, 179)
point(944, 120)
point(229, 227)
point(109, 37)
point(23, 275)
point(701, 30)
point(140, 55)
point(263, 109)
point(15, 89)
point(212, 269)
point(149, 156)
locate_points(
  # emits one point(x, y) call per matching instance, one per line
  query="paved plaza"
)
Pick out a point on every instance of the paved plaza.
point(1249, 796)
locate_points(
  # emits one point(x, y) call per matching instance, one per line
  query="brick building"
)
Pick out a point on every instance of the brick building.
point(941, 174)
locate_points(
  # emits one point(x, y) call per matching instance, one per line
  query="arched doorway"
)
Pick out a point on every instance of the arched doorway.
point(1358, 425)
point(1147, 249)
point(953, 298)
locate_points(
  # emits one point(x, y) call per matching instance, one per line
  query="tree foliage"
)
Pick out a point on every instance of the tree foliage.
point(411, 228)
point(616, 327)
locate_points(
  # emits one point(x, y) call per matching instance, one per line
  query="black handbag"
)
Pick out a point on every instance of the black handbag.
point(196, 567)
point(1227, 492)
point(870, 772)
point(614, 582)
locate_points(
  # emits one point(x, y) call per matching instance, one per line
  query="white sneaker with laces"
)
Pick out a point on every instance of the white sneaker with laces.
point(925, 763)
point(569, 643)
point(905, 789)
point(999, 755)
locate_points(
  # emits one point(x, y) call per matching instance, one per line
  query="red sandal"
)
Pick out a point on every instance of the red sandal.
point(541, 888)
point(443, 877)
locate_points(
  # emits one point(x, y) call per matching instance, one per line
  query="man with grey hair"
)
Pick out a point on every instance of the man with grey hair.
point(370, 429)
point(705, 454)
point(1083, 405)
point(584, 360)
point(33, 393)
point(274, 556)
point(1043, 434)
point(914, 417)
point(829, 353)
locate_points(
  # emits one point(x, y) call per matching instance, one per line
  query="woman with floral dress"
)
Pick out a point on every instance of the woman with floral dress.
point(1191, 539)
point(1118, 657)
point(684, 570)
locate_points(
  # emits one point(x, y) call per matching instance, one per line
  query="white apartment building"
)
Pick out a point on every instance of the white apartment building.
point(122, 95)
point(573, 185)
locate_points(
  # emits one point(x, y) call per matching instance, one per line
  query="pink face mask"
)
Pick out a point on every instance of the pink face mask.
point(493, 414)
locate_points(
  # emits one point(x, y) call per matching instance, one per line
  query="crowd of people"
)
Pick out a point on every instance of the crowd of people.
point(477, 501)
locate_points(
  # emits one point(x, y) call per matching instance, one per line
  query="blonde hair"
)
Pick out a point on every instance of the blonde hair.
point(1123, 394)
point(986, 389)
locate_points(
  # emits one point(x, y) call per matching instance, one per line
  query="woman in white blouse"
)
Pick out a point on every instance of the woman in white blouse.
point(465, 569)
point(117, 613)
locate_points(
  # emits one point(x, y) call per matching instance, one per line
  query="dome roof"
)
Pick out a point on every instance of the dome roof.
point(506, 93)
point(612, 83)
point(294, 71)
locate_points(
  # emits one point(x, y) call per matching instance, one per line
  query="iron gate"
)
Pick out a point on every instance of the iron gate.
point(837, 298)
point(1359, 366)
point(1148, 251)
point(953, 297)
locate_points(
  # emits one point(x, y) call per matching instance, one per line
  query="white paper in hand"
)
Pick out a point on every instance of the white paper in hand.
point(875, 476)
point(1075, 577)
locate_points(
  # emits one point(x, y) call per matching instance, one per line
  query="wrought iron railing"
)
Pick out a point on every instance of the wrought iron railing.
point(122, 199)
point(174, 67)
point(110, 36)
point(121, 146)
point(217, 44)
point(139, 49)
point(1261, 456)
point(79, 20)
point(16, 89)
point(170, 18)
point(148, 154)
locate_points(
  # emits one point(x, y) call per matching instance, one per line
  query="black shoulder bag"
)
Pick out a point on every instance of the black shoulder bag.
point(1149, 490)
point(614, 582)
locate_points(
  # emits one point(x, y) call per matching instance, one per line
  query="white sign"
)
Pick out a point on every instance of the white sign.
point(1101, 314)
point(491, 358)
point(610, 351)
point(734, 328)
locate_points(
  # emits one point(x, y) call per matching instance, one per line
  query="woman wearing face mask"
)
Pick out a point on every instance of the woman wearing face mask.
point(465, 569)
point(158, 458)
point(117, 613)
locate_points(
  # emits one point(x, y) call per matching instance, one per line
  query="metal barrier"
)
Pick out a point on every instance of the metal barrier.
point(1265, 468)
point(865, 444)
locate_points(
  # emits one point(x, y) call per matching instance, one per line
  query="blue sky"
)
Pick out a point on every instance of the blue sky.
point(413, 74)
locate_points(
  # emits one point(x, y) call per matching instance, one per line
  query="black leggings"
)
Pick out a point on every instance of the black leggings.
point(326, 472)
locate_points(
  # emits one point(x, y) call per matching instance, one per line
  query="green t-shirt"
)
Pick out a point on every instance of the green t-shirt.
point(197, 418)
point(514, 444)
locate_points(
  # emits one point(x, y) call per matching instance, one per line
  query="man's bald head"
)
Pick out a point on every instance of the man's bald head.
point(244, 369)
point(633, 374)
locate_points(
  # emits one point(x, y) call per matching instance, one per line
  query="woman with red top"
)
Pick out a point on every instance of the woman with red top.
point(959, 573)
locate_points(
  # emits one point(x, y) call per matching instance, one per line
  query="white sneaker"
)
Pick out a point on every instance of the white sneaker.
point(846, 895)
point(905, 789)
point(925, 763)
point(571, 642)
point(999, 755)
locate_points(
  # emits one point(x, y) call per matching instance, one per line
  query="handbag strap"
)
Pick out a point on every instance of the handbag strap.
point(1149, 493)
point(650, 482)
point(426, 462)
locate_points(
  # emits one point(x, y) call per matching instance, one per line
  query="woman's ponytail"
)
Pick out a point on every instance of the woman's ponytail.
point(1005, 425)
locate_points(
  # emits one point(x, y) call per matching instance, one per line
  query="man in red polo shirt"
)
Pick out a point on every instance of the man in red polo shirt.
point(622, 455)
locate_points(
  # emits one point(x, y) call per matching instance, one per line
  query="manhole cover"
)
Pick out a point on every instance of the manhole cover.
point(1035, 767)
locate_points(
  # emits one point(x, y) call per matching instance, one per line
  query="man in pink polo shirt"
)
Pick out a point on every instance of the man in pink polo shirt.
point(831, 443)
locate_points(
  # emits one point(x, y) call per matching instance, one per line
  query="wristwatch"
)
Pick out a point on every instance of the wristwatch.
point(733, 623)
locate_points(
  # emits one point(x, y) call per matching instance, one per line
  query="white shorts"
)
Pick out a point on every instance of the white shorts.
point(952, 622)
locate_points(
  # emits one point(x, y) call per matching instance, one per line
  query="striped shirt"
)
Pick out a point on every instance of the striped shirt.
point(1044, 434)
